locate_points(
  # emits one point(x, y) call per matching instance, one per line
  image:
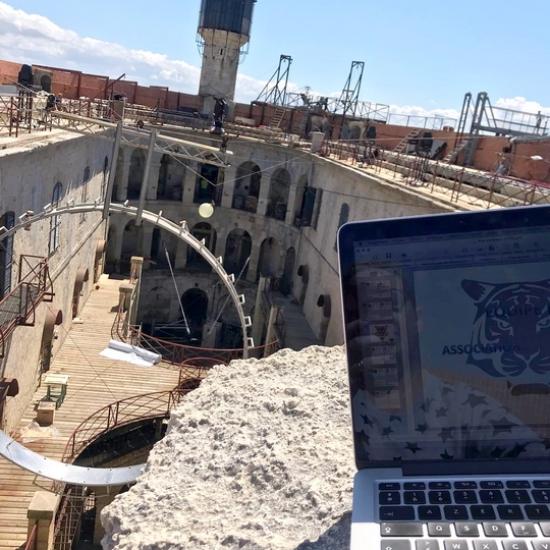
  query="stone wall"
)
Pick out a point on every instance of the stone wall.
point(28, 176)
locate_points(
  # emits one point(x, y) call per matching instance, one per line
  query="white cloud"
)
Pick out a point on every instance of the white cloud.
point(30, 38)
point(519, 103)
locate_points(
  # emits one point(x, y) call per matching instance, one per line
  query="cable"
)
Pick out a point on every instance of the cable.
point(177, 291)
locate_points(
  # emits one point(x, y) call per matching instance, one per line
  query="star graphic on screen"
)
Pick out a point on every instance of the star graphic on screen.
point(386, 432)
point(446, 433)
point(516, 451)
point(366, 420)
point(395, 418)
point(427, 404)
point(446, 391)
point(422, 428)
point(475, 400)
point(446, 455)
point(502, 426)
point(413, 447)
point(442, 411)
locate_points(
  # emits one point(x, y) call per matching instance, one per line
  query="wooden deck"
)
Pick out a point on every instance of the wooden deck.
point(94, 382)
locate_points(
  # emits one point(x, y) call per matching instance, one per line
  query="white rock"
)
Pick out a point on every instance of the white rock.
point(260, 456)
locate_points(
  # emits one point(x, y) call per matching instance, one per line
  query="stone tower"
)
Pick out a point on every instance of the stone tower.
point(224, 28)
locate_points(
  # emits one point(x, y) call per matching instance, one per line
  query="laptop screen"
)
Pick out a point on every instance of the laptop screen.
point(448, 336)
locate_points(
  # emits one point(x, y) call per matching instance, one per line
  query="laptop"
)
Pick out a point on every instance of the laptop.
point(447, 328)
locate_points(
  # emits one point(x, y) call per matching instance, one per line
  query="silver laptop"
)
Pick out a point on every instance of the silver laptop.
point(447, 326)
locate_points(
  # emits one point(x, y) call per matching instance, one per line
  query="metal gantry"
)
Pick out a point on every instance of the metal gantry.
point(275, 91)
point(349, 98)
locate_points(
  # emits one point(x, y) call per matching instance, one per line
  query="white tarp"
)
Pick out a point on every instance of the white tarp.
point(120, 351)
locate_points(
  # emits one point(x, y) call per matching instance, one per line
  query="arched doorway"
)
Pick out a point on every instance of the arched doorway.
point(131, 239)
point(247, 187)
point(6, 255)
point(171, 176)
point(161, 243)
point(118, 176)
point(237, 251)
point(53, 319)
point(278, 194)
point(82, 276)
point(201, 231)
point(195, 306)
point(268, 264)
point(135, 178)
point(46, 83)
point(324, 302)
point(303, 273)
point(287, 279)
point(207, 186)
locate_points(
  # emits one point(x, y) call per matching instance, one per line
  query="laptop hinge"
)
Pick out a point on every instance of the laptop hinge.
point(476, 468)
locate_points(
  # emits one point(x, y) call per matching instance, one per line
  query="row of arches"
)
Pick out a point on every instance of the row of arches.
point(208, 184)
point(236, 257)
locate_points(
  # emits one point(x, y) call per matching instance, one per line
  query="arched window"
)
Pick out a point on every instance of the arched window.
point(278, 195)
point(201, 231)
point(135, 178)
point(344, 217)
point(238, 247)
point(171, 176)
point(55, 221)
point(6, 254)
point(208, 187)
point(247, 187)
point(270, 258)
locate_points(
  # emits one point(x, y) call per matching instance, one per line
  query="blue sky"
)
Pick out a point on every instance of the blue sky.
point(424, 54)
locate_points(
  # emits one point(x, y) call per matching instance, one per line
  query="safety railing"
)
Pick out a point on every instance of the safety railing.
point(19, 305)
point(138, 408)
point(489, 189)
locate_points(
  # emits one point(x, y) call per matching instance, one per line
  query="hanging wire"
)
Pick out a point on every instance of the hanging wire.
point(187, 329)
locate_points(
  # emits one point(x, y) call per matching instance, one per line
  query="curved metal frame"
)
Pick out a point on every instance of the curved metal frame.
point(104, 477)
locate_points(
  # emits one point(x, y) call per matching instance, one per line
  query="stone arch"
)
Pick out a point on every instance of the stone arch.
point(195, 306)
point(287, 280)
point(303, 273)
point(99, 258)
point(208, 187)
point(200, 231)
point(131, 245)
point(247, 187)
point(135, 177)
point(270, 258)
point(355, 132)
point(171, 177)
point(238, 248)
point(325, 303)
point(6, 255)
point(53, 318)
point(278, 194)
point(82, 276)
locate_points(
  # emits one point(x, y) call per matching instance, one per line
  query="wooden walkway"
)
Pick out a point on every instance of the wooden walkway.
point(94, 382)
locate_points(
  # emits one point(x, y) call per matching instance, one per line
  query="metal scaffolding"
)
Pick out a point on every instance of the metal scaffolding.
point(275, 90)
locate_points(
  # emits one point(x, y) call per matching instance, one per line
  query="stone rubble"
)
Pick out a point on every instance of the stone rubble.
point(259, 457)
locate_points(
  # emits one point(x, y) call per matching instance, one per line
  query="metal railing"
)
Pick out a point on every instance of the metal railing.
point(489, 189)
point(134, 409)
point(19, 305)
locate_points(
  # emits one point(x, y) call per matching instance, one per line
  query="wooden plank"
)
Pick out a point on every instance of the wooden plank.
point(94, 382)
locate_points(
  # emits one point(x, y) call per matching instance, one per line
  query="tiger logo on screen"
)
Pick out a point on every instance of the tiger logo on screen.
point(511, 331)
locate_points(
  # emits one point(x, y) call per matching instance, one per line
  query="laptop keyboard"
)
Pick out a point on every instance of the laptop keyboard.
point(465, 515)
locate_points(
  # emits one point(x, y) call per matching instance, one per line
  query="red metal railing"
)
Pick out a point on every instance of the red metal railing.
point(177, 354)
point(126, 411)
point(19, 306)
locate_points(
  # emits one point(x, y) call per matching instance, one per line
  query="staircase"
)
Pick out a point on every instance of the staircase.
point(402, 145)
point(277, 117)
point(451, 157)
